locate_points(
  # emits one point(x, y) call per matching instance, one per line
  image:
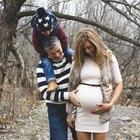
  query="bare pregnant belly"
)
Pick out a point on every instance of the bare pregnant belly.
point(89, 96)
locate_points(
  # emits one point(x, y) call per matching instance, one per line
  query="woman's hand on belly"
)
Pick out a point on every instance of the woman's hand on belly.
point(101, 108)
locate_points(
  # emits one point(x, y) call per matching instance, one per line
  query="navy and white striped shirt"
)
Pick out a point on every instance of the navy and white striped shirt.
point(62, 73)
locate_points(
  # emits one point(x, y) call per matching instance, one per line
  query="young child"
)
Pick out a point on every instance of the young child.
point(45, 25)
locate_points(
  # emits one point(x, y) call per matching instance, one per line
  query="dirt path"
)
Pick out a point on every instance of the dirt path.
point(124, 125)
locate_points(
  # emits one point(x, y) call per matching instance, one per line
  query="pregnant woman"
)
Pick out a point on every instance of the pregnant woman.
point(94, 67)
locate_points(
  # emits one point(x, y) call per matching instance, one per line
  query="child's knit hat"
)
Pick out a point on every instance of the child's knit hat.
point(42, 21)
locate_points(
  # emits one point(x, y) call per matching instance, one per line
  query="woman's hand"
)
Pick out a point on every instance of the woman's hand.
point(70, 121)
point(101, 108)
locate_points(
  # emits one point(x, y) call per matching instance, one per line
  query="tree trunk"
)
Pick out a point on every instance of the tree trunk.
point(5, 42)
point(8, 24)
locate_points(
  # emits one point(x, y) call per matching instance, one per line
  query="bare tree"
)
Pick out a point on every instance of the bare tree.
point(8, 24)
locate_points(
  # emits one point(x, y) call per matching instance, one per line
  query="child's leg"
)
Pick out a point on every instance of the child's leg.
point(48, 69)
point(49, 73)
point(69, 52)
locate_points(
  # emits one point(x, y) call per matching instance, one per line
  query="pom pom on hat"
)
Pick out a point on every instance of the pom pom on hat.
point(41, 12)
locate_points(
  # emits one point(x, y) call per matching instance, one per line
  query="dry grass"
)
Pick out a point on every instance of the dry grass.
point(16, 102)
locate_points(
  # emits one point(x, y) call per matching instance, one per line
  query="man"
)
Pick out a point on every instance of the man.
point(56, 99)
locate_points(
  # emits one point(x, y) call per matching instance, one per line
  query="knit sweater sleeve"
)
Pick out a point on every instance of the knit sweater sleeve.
point(57, 96)
point(62, 37)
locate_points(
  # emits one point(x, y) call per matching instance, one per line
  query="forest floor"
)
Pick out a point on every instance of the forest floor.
point(124, 125)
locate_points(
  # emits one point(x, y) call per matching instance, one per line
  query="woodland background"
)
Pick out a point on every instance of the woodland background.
point(117, 22)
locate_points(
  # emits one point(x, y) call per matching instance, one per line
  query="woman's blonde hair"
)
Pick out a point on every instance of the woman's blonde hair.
point(101, 50)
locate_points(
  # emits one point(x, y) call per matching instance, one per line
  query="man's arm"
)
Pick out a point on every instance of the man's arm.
point(59, 95)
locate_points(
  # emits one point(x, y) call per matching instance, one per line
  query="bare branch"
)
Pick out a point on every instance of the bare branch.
point(86, 21)
point(25, 14)
point(11, 9)
point(126, 4)
point(102, 27)
point(120, 12)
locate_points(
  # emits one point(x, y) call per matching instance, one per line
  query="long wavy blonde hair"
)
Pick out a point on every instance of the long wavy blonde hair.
point(101, 50)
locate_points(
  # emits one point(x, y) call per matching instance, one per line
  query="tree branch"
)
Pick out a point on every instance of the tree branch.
point(11, 8)
point(120, 12)
point(86, 21)
point(123, 3)
point(104, 28)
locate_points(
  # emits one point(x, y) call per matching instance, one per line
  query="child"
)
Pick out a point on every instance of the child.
point(45, 25)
